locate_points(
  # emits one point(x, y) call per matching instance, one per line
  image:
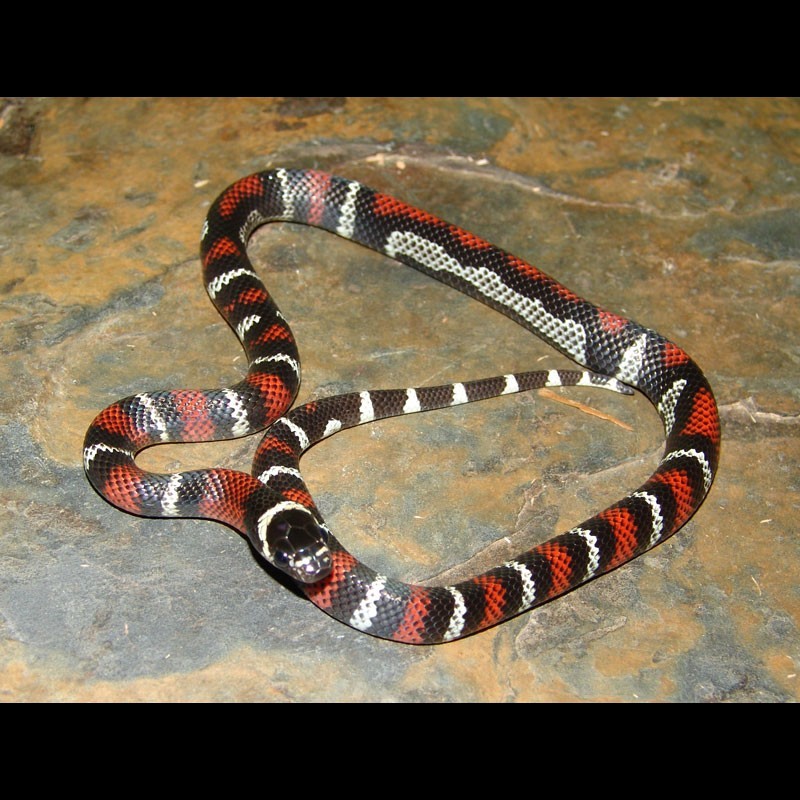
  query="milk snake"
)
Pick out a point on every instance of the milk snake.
point(273, 508)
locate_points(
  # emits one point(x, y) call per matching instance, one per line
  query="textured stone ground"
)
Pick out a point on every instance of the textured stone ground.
point(684, 214)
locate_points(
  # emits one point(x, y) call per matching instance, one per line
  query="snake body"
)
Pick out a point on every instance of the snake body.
point(273, 508)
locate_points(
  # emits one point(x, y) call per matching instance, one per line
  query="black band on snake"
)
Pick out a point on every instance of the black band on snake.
point(273, 508)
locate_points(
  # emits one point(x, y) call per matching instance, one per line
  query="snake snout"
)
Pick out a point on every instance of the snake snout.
point(314, 567)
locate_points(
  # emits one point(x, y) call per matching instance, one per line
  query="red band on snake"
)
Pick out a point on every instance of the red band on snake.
point(273, 507)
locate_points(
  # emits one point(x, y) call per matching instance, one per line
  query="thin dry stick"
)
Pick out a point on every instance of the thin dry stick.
point(581, 407)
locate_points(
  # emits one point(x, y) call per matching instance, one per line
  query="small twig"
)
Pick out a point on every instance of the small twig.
point(581, 407)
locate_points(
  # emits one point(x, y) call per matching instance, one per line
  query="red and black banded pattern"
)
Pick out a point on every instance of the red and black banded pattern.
point(273, 506)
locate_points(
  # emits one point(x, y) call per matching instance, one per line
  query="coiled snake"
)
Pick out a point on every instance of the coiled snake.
point(273, 508)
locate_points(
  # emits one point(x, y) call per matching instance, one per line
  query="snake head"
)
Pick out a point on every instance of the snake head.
point(295, 542)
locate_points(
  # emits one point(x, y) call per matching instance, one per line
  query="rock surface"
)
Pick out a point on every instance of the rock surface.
point(681, 213)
